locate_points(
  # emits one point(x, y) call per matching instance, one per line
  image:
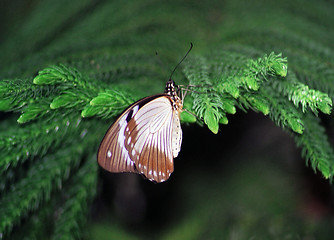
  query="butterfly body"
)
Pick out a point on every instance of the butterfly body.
point(146, 137)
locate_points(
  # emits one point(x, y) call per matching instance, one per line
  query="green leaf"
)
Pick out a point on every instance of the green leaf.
point(5, 104)
point(50, 75)
point(325, 105)
point(210, 120)
point(187, 117)
point(296, 125)
point(258, 103)
point(228, 106)
point(90, 111)
point(112, 98)
point(104, 98)
point(280, 68)
point(223, 120)
point(230, 86)
point(250, 82)
point(27, 116)
point(33, 111)
point(63, 100)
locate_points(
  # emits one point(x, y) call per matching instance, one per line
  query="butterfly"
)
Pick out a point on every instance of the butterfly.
point(146, 137)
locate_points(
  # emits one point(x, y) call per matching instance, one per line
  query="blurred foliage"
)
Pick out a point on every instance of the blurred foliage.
point(65, 67)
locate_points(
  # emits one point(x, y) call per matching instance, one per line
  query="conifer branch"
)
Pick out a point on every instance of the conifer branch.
point(36, 225)
point(72, 215)
point(76, 88)
point(36, 187)
point(282, 112)
point(64, 215)
point(108, 103)
point(219, 95)
point(15, 94)
point(18, 145)
point(301, 95)
point(260, 69)
point(78, 92)
point(316, 148)
point(68, 77)
point(255, 101)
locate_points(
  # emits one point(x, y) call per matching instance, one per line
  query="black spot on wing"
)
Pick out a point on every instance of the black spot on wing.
point(128, 118)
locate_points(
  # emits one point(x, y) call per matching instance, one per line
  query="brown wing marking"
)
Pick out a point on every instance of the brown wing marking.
point(112, 155)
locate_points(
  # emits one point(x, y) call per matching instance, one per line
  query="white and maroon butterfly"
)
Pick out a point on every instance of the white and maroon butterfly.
point(146, 137)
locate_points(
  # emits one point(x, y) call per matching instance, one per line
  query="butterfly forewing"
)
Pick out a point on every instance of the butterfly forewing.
point(112, 154)
point(141, 139)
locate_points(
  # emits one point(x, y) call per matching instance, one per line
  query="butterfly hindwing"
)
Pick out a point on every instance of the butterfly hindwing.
point(176, 135)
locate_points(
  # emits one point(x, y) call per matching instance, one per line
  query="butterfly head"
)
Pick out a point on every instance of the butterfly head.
point(173, 91)
point(171, 88)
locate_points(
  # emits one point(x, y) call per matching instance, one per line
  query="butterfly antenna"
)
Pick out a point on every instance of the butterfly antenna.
point(191, 46)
